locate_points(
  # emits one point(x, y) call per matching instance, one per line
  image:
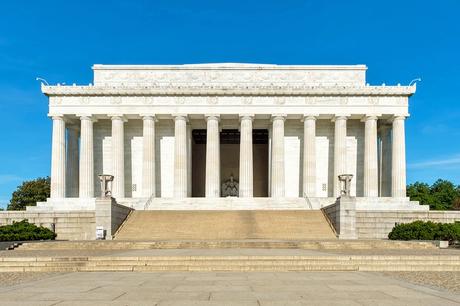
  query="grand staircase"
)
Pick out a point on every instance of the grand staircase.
point(226, 225)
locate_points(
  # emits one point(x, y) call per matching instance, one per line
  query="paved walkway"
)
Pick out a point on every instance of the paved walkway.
point(191, 288)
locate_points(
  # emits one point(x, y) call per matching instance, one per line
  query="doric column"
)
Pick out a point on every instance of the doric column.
point(277, 182)
point(86, 158)
point(385, 161)
point(118, 157)
point(58, 158)
point(398, 160)
point(246, 159)
point(148, 157)
point(72, 162)
point(309, 156)
point(340, 151)
point(212, 186)
point(371, 182)
point(180, 156)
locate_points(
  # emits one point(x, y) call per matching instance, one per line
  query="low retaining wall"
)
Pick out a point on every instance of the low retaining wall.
point(110, 215)
point(377, 224)
point(74, 225)
point(342, 215)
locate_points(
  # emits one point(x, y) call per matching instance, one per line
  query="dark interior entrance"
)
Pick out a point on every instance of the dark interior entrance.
point(229, 159)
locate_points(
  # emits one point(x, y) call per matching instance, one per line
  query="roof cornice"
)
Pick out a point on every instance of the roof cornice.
point(238, 90)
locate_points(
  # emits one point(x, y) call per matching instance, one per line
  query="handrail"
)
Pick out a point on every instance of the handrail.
point(149, 201)
point(307, 199)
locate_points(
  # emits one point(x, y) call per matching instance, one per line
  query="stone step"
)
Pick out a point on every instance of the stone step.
point(225, 225)
point(232, 263)
point(226, 244)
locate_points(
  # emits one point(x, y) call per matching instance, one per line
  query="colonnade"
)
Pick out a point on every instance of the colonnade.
point(81, 164)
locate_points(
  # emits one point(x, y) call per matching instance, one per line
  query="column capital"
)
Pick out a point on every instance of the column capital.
point(57, 117)
point(118, 117)
point(86, 117)
point(180, 117)
point(398, 117)
point(340, 117)
point(149, 117)
point(370, 117)
point(278, 117)
point(309, 117)
point(212, 117)
point(246, 117)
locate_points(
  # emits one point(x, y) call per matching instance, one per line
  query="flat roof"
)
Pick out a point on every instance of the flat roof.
point(229, 66)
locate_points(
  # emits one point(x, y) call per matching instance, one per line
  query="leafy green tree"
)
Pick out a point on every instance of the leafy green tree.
point(29, 193)
point(420, 192)
point(442, 195)
point(445, 193)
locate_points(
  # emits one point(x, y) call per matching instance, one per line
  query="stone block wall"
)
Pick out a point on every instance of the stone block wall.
point(73, 225)
point(377, 224)
point(110, 215)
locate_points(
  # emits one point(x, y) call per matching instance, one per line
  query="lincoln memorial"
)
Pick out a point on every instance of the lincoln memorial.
point(231, 137)
point(228, 136)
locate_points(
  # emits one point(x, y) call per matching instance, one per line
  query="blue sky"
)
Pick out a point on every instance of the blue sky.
point(398, 40)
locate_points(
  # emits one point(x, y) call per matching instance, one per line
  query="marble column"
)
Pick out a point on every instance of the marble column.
point(86, 158)
point(118, 157)
point(340, 151)
point(398, 160)
point(72, 162)
point(385, 161)
point(148, 157)
point(180, 156)
point(212, 186)
point(277, 170)
point(371, 182)
point(58, 158)
point(309, 156)
point(246, 159)
point(189, 159)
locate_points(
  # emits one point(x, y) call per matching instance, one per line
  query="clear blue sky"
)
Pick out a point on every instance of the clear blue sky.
point(398, 40)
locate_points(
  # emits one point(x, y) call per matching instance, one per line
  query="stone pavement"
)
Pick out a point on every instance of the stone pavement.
point(192, 288)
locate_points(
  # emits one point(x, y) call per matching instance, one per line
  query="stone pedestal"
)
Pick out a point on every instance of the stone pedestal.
point(110, 215)
point(346, 217)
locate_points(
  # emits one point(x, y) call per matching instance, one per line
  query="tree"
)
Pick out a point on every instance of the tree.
point(29, 193)
point(420, 192)
point(442, 195)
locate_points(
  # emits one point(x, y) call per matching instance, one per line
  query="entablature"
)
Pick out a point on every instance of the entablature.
point(236, 90)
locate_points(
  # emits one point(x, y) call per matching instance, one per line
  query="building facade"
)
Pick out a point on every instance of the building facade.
point(215, 136)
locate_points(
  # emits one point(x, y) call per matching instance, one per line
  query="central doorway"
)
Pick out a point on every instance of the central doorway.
point(230, 159)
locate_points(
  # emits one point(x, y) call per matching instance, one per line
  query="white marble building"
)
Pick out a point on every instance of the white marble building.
point(172, 136)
